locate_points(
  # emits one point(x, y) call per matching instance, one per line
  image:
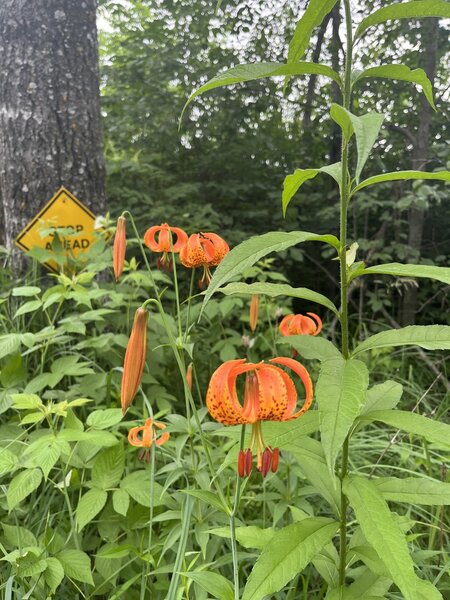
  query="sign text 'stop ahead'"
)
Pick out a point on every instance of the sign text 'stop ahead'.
point(62, 211)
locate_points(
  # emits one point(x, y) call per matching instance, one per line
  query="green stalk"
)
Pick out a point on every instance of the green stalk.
point(237, 497)
point(344, 193)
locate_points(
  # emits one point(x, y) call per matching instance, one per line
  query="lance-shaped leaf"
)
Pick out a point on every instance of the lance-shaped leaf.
point(252, 71)
point(401, 176)
point(414, 490)
point(273, 290)
point(341, 392)
point(312, 348)
point(213, 583)
point(382, 396)
point(287, 553)
point(293, 182)
point(403, 73)
point(382, 532)
point(405, 10)
point(430, 337)
point(248, 253)
point(366, 129)
point(436, 432)
point(401, 270)
point(313, 16)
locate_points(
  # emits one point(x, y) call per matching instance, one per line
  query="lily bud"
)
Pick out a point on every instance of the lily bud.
point(189, 376)
point(254, 306)
point(135, 355)
point(120, 246)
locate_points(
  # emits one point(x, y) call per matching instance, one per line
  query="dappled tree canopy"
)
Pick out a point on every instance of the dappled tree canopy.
point(224, 167)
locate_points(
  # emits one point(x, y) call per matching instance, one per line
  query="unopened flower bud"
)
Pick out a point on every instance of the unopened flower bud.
point(120, 246)
point(254, 306)
point(135, 355)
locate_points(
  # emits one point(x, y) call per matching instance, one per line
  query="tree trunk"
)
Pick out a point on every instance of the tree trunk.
point(416, 216)
point(50, 120)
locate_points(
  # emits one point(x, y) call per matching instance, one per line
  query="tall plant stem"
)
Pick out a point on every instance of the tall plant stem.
point(344, 192)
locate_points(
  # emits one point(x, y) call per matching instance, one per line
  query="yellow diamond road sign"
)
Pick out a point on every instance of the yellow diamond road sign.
point(62, 211)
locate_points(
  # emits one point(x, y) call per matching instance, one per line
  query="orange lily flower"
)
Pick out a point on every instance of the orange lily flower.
point(144, 437)
point(120, 246)
point(134, 362)
point(163, 243)
point(269, 395)
point(203, 250)
point(301, 325)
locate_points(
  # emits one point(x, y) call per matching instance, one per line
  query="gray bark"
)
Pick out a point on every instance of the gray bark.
point(50, 120)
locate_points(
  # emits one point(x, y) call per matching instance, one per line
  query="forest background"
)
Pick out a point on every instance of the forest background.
point(224, 170)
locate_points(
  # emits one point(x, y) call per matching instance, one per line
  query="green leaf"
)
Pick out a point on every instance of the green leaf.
point(434, 431)
point(313, 16)
point(405, 10)
point(90, 504)
point(401, 270)
point(289, 551)
point(279, 434)
point(121, 501)
point(30, 306)
point(137, 485)
point(250, 251)
point(311, 462)
point(45, 452)
point(9, 343)
point(19, 536)
point(340, 115)
point(54, 573)
point(8, 461)
point(209, 498)
point(340, 392)
point(382, 396)
point(248, 537)
point(76, 564)
point(26, 401)
point(402, 73)
point(293, 182)
point(215, 584)
point(367, 127)
point(311, 347)
point(251, 71)
point(382, 532)
point(27, 290)
point(414, 490)
point(400, 176)
point(108, 467)
point(104, 419)
point(273, 290)
point(22, 486)
point(430, 337)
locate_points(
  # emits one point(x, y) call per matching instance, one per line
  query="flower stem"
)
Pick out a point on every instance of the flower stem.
point(344, 193)
point(237, 497)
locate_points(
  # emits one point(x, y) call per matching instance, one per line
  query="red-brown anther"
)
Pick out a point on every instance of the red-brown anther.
point(120, 246)
point(266, 461)
point(134, 362)
point(248, 462)
point(241, 463)
point(275, 459)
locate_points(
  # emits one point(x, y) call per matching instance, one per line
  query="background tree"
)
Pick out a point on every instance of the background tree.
point(50, 123)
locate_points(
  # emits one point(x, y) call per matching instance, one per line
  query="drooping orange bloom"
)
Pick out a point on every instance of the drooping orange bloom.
point(203, 250)
point(144, 437)
point(163, 245)
point(120, 246)
point(301, 325)
point(134, 362)
point(254, 308)
point(269, 395)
